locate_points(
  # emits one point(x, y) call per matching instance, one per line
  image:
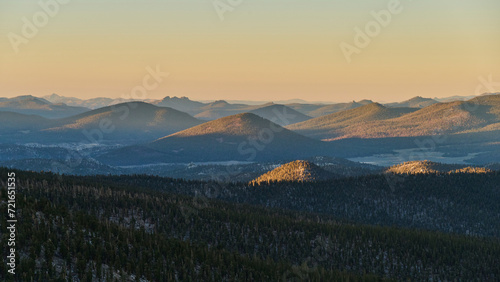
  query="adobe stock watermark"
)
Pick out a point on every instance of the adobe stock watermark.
point(488, 84)
point(12, 257)
point(364, 36)
point(39, 19)
point(223, 6)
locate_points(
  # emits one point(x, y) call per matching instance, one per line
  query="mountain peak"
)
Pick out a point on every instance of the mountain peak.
point(419, 99)
point(30, 99)
point(364, 102)
point(149, 121)
point(280, 114)
point(183, 98)
point(219, 103)
point(24, 97)
point(373, 105)
point(240, 137)
point(415, 102)
point(371, 108)
point(239, 124)
point(183, 104)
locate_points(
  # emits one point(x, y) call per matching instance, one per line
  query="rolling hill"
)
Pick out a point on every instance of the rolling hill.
point(317, 110)
point(335, 108)
point(427, 167)
point(347, 123)
point(31, 105)
point(18, 123)
point(242, 137)
point(376, 121)
point(136, 120)
point(296, 171)
point(219, 109)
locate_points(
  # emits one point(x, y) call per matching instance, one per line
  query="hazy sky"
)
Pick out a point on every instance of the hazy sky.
point(254, 49)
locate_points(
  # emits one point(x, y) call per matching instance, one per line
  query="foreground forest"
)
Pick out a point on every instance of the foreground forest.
point(142, 228)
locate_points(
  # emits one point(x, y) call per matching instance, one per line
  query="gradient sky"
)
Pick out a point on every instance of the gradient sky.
point(261, 50)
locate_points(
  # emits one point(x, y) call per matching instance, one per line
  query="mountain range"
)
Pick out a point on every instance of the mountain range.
point(355, 122)
point(280, 114)
point(124, 123)
point(256, 133)
point(241, 137)
point(92, 103)
point(415, 102)
point(31, 105)
point(378, 121)
point(136, 120)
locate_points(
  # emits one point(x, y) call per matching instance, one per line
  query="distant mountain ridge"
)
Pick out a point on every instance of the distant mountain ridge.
point(347, 123)
point(463, 98)
point(363, 119)
point(127, 122)
point(92, 103)
point(280, 114)
point(220, 108)
point(183, 104)
point(317, 110)
point(127, 119)
point(376, 121)
point(31, 105)
point(415, 102)
point(335, 108)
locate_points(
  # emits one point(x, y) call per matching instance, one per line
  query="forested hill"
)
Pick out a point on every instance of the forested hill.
point(426, 167)
point(296, 171)
point(90, 228)
point(462, 203)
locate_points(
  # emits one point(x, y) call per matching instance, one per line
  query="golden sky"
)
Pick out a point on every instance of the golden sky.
point(252, 50)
